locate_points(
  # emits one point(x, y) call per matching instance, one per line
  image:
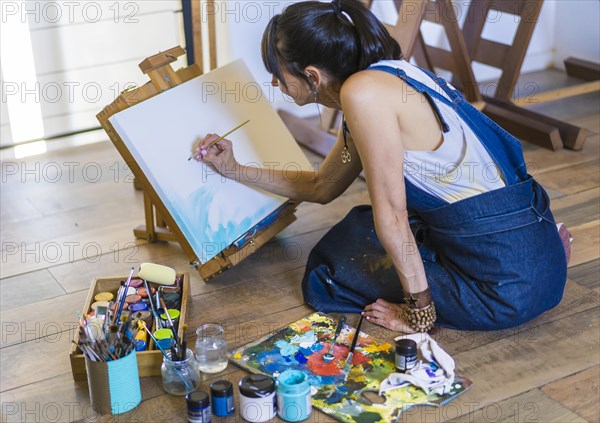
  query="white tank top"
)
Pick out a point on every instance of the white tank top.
point(461, 166)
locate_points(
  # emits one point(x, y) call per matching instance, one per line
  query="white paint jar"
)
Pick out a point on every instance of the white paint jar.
point(257, 398)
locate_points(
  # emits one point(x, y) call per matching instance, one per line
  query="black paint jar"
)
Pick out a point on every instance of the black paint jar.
point(406, 354)
point(198, 407)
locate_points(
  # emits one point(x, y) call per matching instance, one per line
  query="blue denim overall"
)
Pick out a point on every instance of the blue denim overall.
point(492, 261)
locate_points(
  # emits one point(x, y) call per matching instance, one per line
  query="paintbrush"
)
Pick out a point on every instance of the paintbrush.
point(329, 356)
point(204, 151)
point(122, 301)
point(350, 356)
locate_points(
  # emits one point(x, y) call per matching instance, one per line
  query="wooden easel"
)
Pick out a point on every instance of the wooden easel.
point(501, 107)
point(162, 78)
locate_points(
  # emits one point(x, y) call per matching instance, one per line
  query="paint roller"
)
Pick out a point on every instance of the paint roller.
point(156, 273)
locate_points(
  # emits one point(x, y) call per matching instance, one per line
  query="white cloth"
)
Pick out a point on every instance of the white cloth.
point(434, 373)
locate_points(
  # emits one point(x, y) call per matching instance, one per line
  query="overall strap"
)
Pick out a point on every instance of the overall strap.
point(504, 148)
point(420, 88)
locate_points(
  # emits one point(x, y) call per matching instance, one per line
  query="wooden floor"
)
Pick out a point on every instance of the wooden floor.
point(67, 217)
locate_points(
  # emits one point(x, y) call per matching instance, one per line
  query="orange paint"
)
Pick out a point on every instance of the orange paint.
point(317, 365)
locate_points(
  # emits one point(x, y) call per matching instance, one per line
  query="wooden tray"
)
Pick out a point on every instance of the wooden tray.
point(149, 361)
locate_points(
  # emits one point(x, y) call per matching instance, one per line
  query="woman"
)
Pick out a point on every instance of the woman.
point(458, 233)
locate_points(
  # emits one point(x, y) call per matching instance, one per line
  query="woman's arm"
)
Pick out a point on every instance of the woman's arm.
point(371, 115)
point(322, 185)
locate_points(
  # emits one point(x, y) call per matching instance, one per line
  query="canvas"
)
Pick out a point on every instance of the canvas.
point(348, 396)
point(211, 210)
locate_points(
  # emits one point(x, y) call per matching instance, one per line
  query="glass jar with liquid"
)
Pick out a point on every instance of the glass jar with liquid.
point(211, 348)
point(180, 377)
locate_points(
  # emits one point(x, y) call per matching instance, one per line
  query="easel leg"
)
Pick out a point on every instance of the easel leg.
point(149, 212)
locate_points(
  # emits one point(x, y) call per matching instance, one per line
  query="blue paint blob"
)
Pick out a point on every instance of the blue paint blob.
point(285, 348)
point(305, 351)
point(316, 347)
point(336, 397)
point(300, 358)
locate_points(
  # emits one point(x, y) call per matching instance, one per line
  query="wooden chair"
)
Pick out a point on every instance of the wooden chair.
point(502, 107)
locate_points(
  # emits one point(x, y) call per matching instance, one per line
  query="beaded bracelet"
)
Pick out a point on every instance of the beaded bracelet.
point(420, 319)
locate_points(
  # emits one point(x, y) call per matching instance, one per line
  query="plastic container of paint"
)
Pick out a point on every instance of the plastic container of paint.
point(198, 407)
point(134, 308)
point(257, 398)
point(221, 393)
point(406, 354)
point(173, 314)
point(294, 402)
point(164, 336)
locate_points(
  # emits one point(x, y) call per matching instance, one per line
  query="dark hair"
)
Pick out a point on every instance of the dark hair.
point(341, 38)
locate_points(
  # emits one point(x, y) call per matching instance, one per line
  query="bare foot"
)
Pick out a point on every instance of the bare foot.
point(386, 314)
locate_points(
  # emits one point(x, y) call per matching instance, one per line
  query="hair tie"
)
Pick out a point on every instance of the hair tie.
point(337, 8)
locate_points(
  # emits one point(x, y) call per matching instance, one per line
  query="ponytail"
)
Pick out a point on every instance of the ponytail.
point(341, 38)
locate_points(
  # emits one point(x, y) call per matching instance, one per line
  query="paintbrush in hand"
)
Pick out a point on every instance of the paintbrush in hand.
point(204, 151)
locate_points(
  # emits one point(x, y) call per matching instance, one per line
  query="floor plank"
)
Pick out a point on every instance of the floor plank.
point(532, 406)
point(29, 288)
point(586, 274)
point(579, 392)
point(509, 366)
point(573, 179)
point(541, 160)
point(586, 243)
point(577, 209)
point(42, 321)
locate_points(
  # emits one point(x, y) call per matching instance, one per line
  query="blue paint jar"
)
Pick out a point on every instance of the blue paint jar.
point(221, 393)
point(294, 402)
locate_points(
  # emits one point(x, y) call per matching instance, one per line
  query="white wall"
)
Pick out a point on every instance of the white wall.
point(85, 53)
point(240, 25)
point(577, 30)
point(564, 28)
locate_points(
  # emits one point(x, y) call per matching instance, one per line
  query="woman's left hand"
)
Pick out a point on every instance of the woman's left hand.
point(388, 315)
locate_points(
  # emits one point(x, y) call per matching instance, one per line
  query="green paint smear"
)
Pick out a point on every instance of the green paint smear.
point(368, 417)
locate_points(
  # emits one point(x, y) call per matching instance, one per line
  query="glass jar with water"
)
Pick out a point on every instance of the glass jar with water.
point(180, 377)
point(211, 348)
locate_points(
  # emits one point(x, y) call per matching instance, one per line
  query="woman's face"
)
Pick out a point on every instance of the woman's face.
point(295, 88)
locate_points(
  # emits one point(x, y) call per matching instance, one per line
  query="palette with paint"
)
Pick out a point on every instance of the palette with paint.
point(348, 396)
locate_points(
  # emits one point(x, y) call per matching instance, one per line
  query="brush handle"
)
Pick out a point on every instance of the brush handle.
point(154, 314)
point(218, 139)
point(122, 302)
point(356, 335)
point(338, 330)
point(340, 325)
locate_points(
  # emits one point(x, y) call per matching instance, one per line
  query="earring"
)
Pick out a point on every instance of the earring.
point(314, 91)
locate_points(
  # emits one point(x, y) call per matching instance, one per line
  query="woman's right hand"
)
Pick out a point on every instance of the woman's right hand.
point(219, 156)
